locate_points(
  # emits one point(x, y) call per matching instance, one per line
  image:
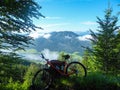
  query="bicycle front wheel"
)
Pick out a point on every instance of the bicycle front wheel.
point(76, 69)
point(41, 80)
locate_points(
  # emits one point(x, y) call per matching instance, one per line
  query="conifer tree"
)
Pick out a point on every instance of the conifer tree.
point(105, 42)
point(16, 23)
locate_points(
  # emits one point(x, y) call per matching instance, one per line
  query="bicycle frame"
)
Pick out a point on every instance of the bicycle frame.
point(59, 71)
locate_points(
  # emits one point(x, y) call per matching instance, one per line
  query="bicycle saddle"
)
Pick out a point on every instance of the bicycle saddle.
point(66, 56)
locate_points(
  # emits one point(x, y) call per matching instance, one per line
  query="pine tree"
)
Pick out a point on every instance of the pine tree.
point(16, 23)
point(105, 42)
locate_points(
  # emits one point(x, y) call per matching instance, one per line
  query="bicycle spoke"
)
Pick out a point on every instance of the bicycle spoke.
point(76, 69)
point(42, 80)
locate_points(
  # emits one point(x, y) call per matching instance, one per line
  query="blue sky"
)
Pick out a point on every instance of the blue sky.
point(72, 15)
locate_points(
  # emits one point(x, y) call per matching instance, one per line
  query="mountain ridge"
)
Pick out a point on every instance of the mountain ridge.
point(66, 41)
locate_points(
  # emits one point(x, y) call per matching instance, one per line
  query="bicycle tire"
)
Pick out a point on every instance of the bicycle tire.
point(41, 80)
point(78, 68)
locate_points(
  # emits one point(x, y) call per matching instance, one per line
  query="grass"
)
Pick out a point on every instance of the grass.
point(94, 81)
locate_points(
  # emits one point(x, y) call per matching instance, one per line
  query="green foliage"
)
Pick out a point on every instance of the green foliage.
point(29, 75)
point(16, 18)
point(29, 51)
point(90, 63)
point(61, 54)
point(105, 43)
point(73, 57)
point(15, 74)
point(12, 85)
point(94, 81)
point(12, 67)
point(76, 57)
point(97, 81)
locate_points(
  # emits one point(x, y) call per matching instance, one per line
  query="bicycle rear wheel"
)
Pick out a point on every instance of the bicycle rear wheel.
point(76, 69)
point(41, 80)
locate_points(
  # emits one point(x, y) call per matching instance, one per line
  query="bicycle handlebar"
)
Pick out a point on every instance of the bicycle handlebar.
point(42, 56)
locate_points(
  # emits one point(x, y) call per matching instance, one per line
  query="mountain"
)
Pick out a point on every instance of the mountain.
point(67, 41)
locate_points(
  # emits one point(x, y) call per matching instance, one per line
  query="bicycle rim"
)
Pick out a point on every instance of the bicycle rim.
point(42, 80)
point(76, 69)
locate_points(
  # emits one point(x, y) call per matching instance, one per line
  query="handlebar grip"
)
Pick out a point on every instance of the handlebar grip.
point(42, 56)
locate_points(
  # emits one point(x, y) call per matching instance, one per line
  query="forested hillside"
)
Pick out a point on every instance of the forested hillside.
point(66, 41)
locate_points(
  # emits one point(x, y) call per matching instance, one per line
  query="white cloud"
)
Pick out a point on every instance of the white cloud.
point(47, 35)
point(37, 34)
point(30, 56)
point(85, 37)
point(63, 26)
point(68, 37)
point(52, 55)
point(75, 27)
point(89, 23)
point(54, 25)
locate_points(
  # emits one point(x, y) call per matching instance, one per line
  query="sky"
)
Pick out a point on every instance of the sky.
point(72, 15)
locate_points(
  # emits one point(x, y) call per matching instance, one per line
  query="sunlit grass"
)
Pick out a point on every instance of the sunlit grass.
point(94, 81)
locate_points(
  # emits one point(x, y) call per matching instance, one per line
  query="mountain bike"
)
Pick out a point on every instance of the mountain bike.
point(54, 69)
